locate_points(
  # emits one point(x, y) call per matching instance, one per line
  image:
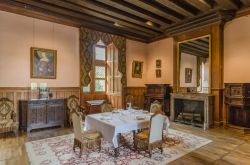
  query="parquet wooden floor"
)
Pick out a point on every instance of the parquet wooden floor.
point(228, 147)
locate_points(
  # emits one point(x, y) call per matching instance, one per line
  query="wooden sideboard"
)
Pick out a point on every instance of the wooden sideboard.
point(41, 113)
point(237, 101)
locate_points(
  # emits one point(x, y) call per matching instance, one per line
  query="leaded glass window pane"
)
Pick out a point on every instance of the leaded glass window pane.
point(100, 53)
point(100, 85)
point(100, 72)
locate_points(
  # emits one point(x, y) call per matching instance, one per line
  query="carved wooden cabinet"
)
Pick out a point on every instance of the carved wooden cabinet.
point(41, 113)
point(160, 92)
point(237, 100)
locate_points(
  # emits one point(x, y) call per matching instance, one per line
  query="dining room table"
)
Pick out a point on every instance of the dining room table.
point(113, 124)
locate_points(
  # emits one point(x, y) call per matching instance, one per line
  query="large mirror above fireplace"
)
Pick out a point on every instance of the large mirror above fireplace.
point(193, 65)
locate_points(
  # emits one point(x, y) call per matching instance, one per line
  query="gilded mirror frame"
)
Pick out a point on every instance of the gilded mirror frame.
point(178, 88)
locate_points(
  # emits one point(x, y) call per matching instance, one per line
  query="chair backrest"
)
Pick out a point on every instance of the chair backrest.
point(129, 101)
point(155, 107)
point(73, 103)
point(106, 107)
point(77, 125)
point(6, 109)
point(156, 127)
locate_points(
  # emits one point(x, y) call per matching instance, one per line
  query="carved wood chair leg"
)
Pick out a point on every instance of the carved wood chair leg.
point(161, 148)
point(99, 145)
point(74, 145)
point(81, 148)
point(150, 151)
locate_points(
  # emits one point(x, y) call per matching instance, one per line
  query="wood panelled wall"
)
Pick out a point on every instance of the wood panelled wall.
point(137, 93)
point(23, 93)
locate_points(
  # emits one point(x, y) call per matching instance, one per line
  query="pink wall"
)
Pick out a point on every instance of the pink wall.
point(237, 50)
point(19, 33)
point(163, 50)
point(136, 51)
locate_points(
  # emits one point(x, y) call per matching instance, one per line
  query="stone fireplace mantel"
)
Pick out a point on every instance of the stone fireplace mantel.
point(208, 100)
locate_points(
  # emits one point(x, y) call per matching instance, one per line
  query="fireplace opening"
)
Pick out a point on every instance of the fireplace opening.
point(189, 112)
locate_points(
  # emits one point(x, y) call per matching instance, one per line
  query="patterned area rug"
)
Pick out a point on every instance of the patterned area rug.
point(58, 150)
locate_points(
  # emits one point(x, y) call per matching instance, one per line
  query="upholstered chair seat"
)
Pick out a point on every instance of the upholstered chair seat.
point(91, 135)
point(143, 135)
point(7, 116)
point(84, 139)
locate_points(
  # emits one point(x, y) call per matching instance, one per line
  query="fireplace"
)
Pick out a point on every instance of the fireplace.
point(195, 109)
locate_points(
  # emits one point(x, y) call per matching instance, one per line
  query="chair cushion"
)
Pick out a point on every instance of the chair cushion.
point(91, 135)
point(144, 135)
point(6, 123)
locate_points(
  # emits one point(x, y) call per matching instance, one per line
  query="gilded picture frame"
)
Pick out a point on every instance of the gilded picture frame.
point(137, 69)
point(158, 63)
point(43, 63)
point(188, 75)
point(158, 73)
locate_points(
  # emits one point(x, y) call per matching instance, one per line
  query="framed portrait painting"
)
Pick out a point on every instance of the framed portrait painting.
point(137, 69)
point(188, 75)
point(43, 63)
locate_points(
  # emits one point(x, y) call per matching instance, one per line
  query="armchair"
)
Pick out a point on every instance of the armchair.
point(7, 116)
point(73, 105)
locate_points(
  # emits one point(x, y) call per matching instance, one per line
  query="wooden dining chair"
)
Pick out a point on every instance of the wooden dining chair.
point(106, 107)
point(156, 107)
point(153, 137)
point(84, 139)
point(73, 105)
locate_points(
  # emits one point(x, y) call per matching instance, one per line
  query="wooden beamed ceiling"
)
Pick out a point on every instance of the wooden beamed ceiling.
point(143, 20)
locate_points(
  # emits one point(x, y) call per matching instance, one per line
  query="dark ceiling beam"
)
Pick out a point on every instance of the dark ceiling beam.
point(10, 6)
point(134, 27)
point(175, 7)
point(197, 46)
point(197, 42)
point(200, 21)
point(35, 12)
point(126, 7)
point(246, 2)
point(202, 5)
point(193, 51)
point(98, 8)
point(146, 6)
point(227, 4)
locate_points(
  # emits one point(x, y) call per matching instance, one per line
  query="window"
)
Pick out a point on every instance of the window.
point(98, 75)
point(105, 77)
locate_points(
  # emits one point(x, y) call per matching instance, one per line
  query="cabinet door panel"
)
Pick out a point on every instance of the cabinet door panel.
point(37, 114)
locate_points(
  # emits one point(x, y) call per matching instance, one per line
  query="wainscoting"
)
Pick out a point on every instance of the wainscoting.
point(23, 93)
point(137, 93)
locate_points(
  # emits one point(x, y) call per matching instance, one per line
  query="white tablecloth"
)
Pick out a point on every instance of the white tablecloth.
point(111, 124)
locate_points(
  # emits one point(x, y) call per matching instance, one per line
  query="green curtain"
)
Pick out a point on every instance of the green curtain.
point(88, 38)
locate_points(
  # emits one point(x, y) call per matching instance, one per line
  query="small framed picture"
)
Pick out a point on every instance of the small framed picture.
point(158, 63)
point(158, 73)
